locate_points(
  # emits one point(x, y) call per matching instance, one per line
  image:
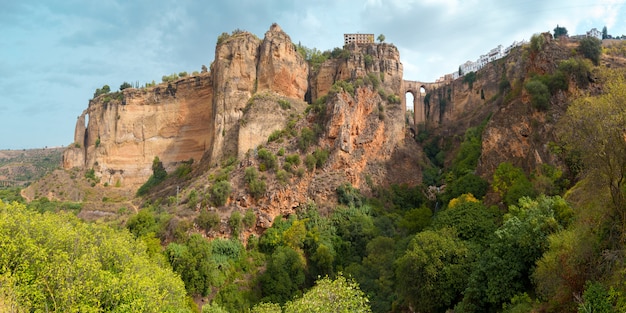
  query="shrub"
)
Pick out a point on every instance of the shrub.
point(310, 161)
point(348, 195)
point(102, 91)
point(282, 176)
point(591, 48)
point(182, 74)
point(539, 94)
point(275, 135)
point(368, 59)
point(257, 188)
point(342, 85)
point(158, 175)
point(307, 137)
point(249, 219)
point(267, 158)
point(125, 85)
point(250, 174)
point(321, 155)
point(470, 78)
point(235, 223)
point(220, 191)
point(293, 159)
point(393, 99)
point(183, 169)
point(577, 69)
point(536, 42)
point(284, 104)
point(192, 199)
point(207, 220)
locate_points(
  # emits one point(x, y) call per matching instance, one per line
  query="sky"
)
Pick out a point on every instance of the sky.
point(55, 53)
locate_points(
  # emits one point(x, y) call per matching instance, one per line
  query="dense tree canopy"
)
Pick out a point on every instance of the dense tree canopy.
point(55, 262)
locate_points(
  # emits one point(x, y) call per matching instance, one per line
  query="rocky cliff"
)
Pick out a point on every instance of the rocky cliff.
point(254, 87)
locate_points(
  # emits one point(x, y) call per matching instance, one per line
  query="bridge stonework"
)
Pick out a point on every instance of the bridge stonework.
point(420, 109)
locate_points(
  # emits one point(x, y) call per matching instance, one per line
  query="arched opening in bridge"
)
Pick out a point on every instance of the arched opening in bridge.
point(410, 101)
point(423, 90)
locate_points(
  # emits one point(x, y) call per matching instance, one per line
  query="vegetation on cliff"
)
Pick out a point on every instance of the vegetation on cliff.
point(541, 229)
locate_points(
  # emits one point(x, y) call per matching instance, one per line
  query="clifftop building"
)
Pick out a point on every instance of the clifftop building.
point(358, 38)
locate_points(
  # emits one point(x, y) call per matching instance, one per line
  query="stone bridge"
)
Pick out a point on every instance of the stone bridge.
point(419, 91)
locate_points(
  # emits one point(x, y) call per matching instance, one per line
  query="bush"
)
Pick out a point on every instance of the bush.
point(470, 78)
point(220, 191)
point(102, 91)
point(282, 177)
point(539, 94)
point(393, 99)
point(536, 42)
point(348, 195)
point(578, 69)
point(267, 159)
point(257, 188)
point(207, 220)
point(284, 104)
point(342, 85)
point(321, 155)
point(275, 135)
point(249, 219)
point(125, 85)
point(307, 137)
point(158, 175)
point(310, 161)
point(591, 48)
point(250, 174)
point(235, 222)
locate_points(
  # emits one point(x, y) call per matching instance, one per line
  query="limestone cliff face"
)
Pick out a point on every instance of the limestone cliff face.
point(195, 117)
point(382, 60)
point(127, 130)
point(281, 68)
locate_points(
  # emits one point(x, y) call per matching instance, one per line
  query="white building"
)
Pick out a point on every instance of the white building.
point(469, 66)
point(358, 38)
point(594, 33)
point(495, 53)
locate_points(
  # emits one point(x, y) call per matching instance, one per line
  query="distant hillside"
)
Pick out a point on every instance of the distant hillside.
point(21, 167)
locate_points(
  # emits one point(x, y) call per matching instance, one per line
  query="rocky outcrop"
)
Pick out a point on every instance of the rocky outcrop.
point(195, 117)
point(126, 130)
point(253, 89)
point(381, 60)
point(281, 68)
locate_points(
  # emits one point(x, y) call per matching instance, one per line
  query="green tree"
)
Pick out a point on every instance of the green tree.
point(235, 222)
point(433, 271)
point(158, 175)
point(56, 262)
point(207, 220)
point(605, 33)
point(593, 128)
point(504, 269)
point(220, 192)
point(193, 262)
point(249, 218)
point(102, 91)
point(339, 295)
point(539, 94)
point(591, 48)
point(560, 32)
point(471, 220)
point(511, 183)
point(596, 299)
point(380, 38)
point(284, 275)
point(125, 85)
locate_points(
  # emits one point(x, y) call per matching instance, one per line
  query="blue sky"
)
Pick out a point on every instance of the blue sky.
point(55, 53)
